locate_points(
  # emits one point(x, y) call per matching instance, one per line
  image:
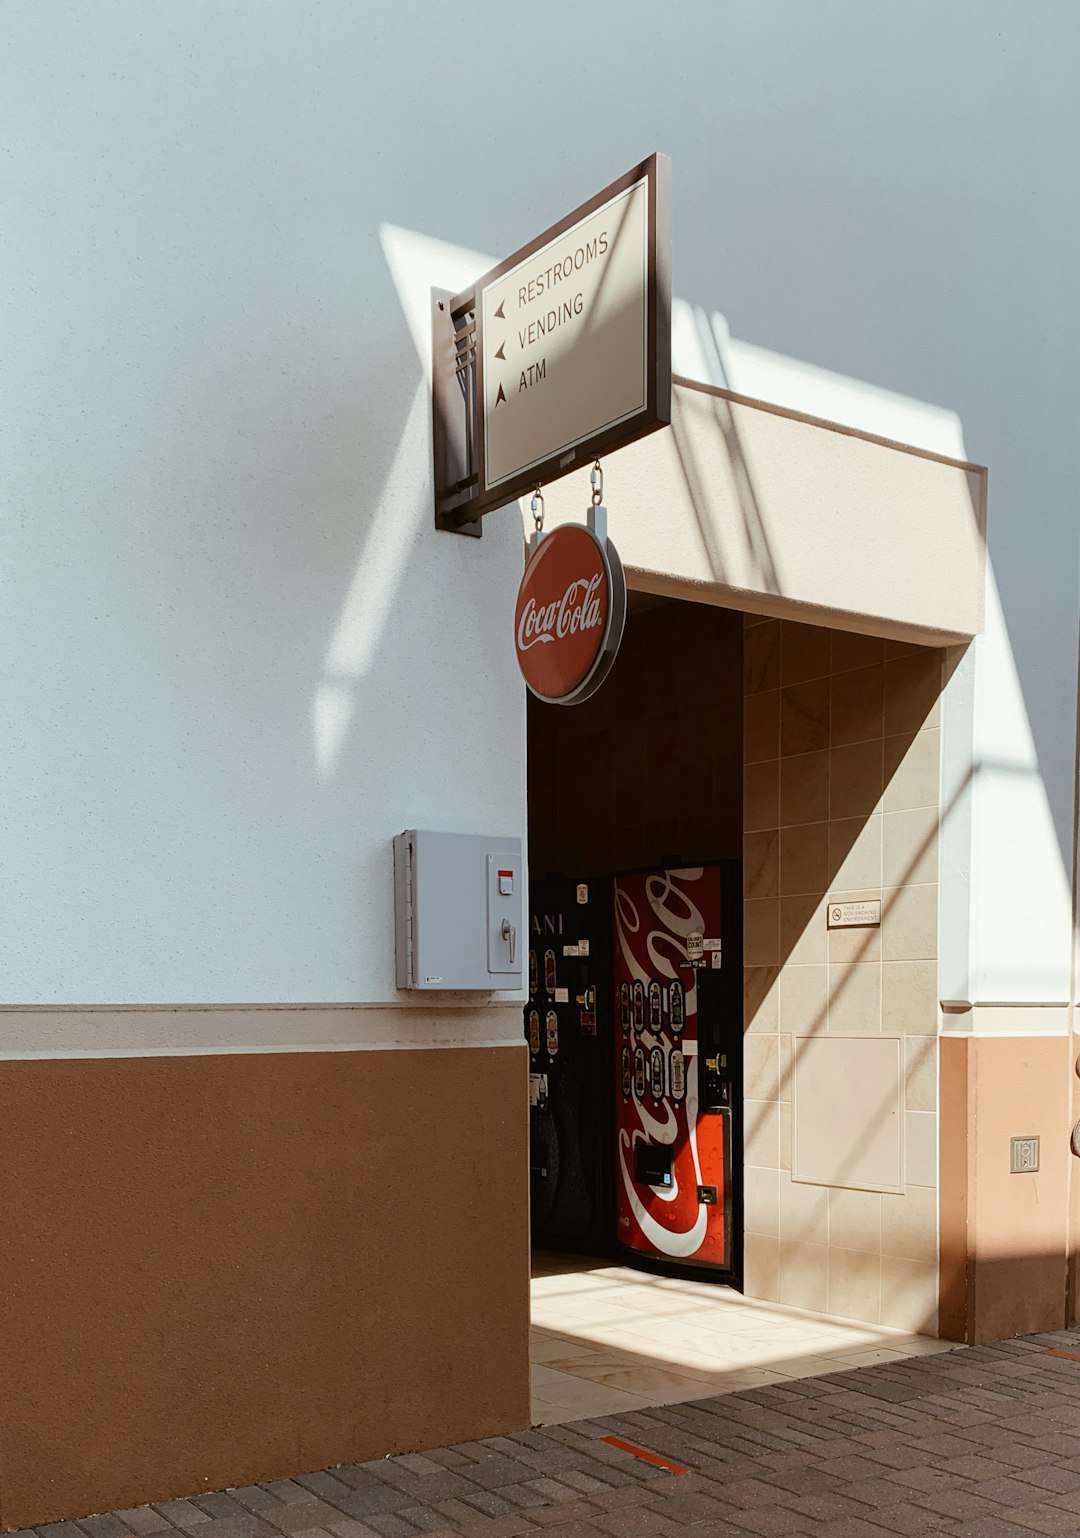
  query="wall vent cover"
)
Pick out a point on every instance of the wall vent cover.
point(1025, 1156)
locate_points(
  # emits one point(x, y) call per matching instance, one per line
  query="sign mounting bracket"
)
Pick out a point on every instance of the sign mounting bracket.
point(453, 410)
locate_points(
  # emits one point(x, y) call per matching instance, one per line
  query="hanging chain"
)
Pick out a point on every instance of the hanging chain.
point(596, 479)
point(538, 516)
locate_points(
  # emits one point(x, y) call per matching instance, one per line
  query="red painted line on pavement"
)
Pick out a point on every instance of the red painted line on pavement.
point(646, 1456)
point(1071, 1355)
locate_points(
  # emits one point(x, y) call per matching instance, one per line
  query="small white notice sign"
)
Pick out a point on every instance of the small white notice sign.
point(862, 915)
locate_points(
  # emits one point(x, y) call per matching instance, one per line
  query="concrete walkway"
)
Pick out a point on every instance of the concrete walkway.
point(606, 1338)
point(981, 1443)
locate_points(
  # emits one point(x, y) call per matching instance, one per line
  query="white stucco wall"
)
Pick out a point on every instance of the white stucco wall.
point(235, 657)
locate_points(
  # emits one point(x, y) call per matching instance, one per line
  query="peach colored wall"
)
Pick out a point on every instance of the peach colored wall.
point(841, 795)
point(1074, 1176)
point(1004, 1237)
point(955, 1154)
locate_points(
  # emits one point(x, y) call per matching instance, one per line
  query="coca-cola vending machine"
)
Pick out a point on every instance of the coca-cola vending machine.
point(678, 1043)
point(569, 1031)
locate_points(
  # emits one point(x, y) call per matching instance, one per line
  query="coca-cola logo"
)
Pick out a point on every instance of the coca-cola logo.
point(570, 611)
point(579, 608)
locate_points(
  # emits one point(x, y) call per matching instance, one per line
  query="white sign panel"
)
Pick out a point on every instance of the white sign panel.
point(566, 339)
point(854, 915)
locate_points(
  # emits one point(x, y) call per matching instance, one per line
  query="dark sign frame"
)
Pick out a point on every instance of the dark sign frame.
point(462, 496)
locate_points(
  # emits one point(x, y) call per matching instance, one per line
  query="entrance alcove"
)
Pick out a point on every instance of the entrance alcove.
point(798, 597)
point(650, 767)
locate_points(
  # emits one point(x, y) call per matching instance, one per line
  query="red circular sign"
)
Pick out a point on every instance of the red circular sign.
point(570, 612)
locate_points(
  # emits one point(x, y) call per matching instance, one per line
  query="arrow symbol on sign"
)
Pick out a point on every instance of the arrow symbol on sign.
point(502, 351)
point(501, 395)
point(499, 312)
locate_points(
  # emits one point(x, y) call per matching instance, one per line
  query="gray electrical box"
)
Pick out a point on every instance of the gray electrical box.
point(458, 910)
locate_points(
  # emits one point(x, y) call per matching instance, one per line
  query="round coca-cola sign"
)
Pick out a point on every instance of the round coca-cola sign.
point(571, 608)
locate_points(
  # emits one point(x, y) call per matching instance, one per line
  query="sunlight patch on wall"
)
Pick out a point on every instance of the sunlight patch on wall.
point(703, 349)
point(417, 264)
point(375, 587)
point(1021, 898)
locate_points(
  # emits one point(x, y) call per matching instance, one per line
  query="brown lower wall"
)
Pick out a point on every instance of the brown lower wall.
point(1074, 1184)
point(1004, 1237)
point(222, 1269)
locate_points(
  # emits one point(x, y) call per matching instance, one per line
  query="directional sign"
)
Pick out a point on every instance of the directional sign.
point(566, 339)
point(572, 350)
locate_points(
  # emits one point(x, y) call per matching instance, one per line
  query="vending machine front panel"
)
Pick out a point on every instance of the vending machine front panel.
point(568, 1026)
point(674, 1111)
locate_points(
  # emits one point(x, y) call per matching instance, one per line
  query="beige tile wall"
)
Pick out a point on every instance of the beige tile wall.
point(842, 739)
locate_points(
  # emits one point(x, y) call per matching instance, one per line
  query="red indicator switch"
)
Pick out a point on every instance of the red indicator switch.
point(506, 883)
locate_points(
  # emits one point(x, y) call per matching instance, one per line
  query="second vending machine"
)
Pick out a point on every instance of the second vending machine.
point(678, 1045)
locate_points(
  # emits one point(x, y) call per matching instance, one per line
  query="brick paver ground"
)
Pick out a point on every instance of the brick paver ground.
point(981, 1443)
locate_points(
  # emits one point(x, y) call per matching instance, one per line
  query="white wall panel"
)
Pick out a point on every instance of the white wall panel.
point(234, 658)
